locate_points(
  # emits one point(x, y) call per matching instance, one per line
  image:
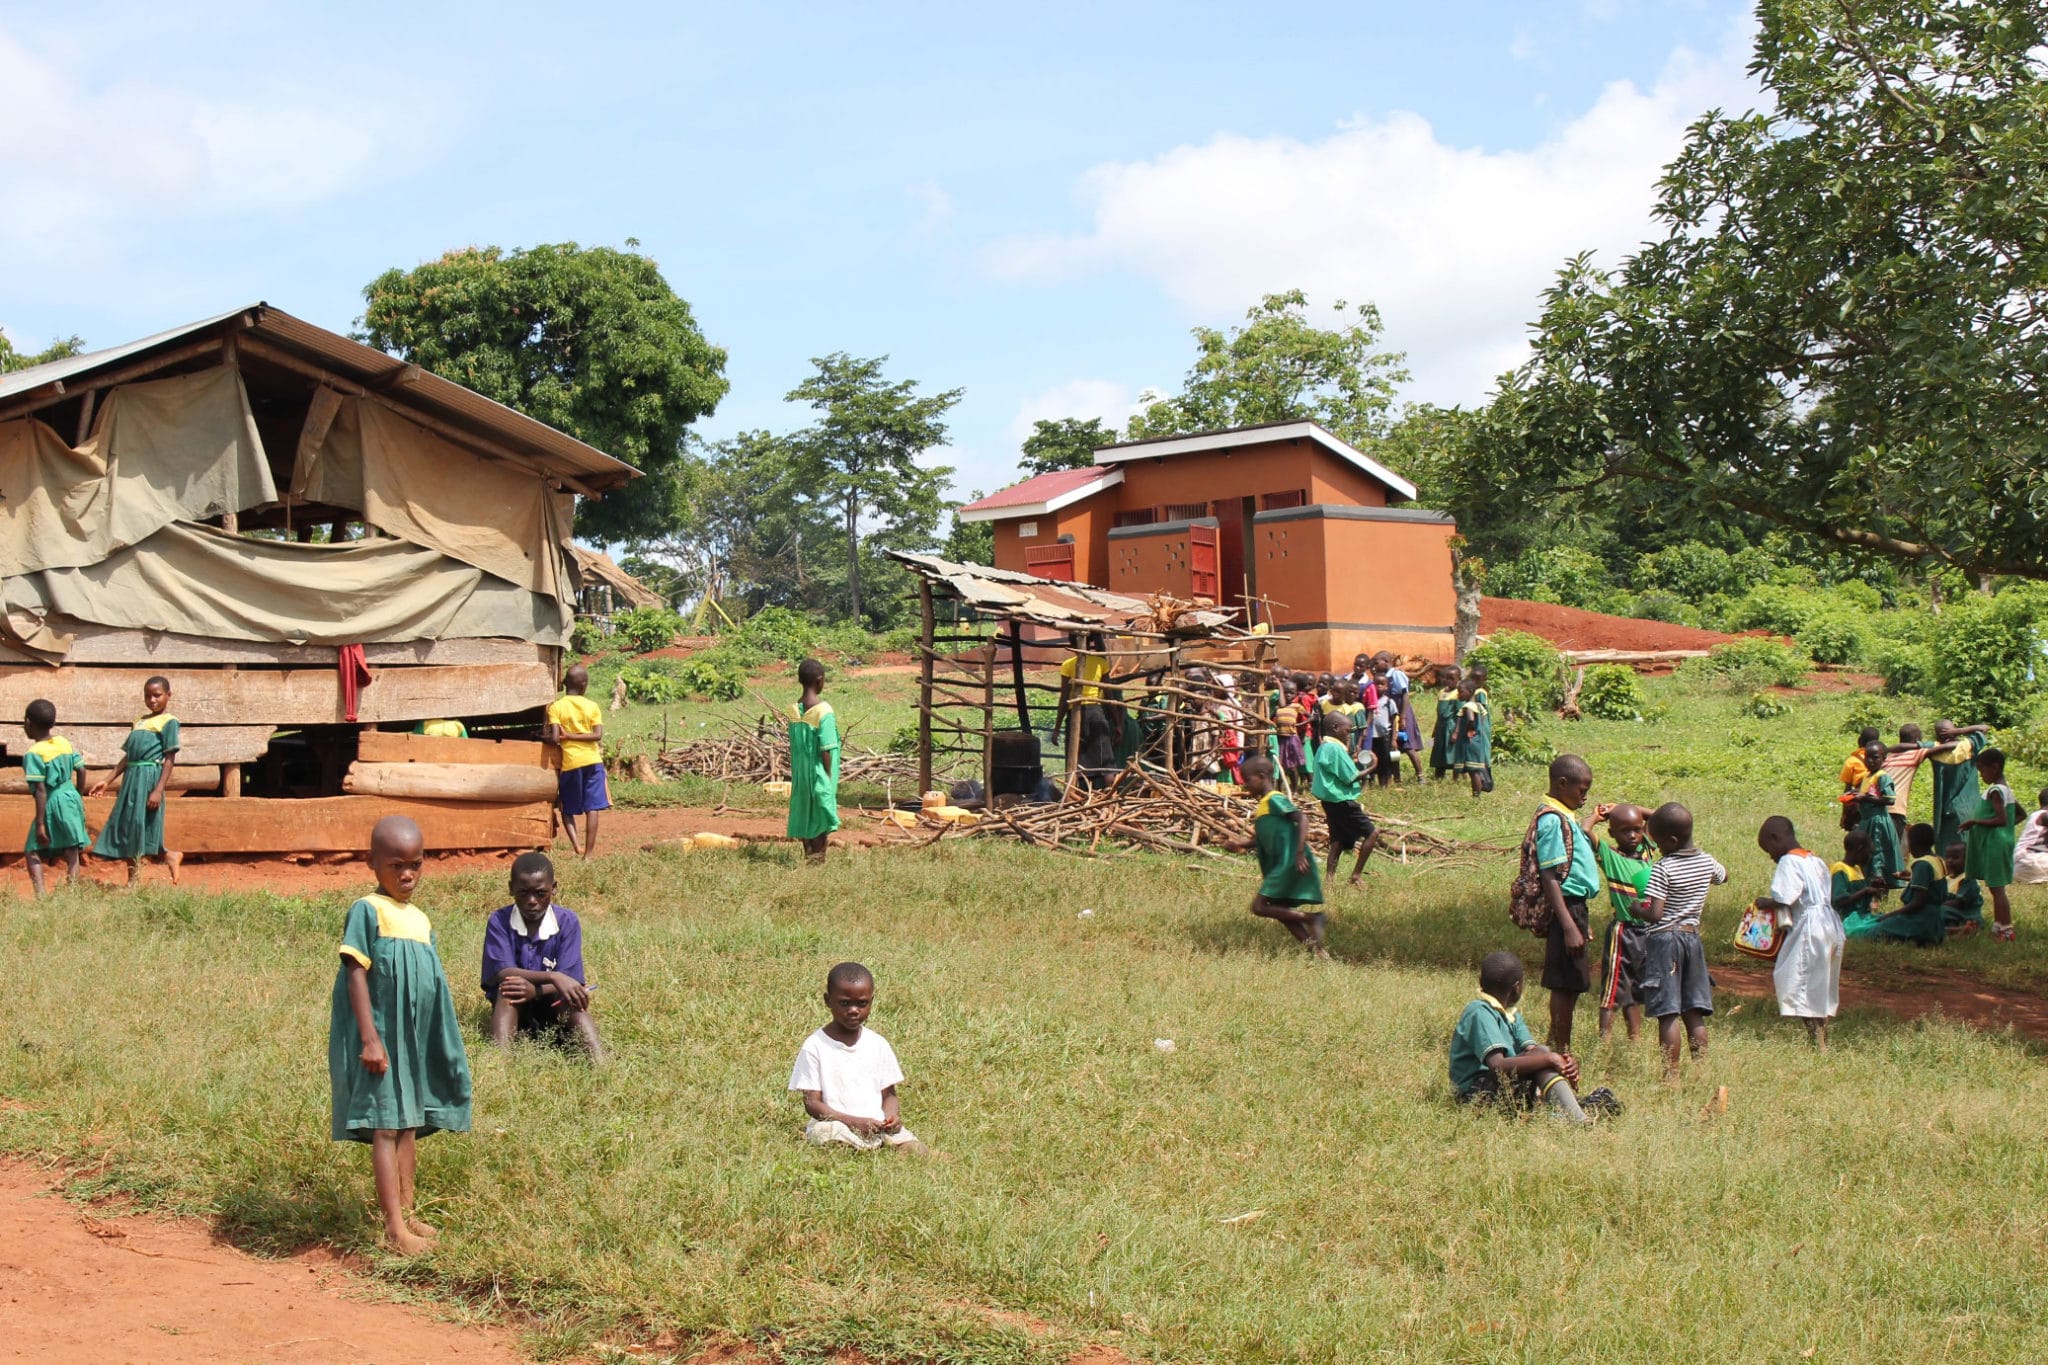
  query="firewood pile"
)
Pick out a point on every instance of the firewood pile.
point(1150, 809)
point(756, 754)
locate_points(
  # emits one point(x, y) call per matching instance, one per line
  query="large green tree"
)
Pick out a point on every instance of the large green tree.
point(590, 340)
point(11, 359)
point(1064, 443)
point(1280, 367)
point(1843, 329)
point(860, 456)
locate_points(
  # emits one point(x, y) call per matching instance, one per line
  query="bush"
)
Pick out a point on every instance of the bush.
point(1773, 607)
point(1611, 692)
point(1658, 605)
point(1908, 669)
point(2027, 744)
point(1764, 706)
point(708, 675)
point(1832, 637)
point(650, 682)
point(712, 674)
point(1693, 572)
point(1985, 668)
point(647, 628)
point(1750, 665)
point(1518, 740)
point(1525, 674)
point(586, 637)
point(778, 633)
point(1870, 713)
point(1563, 574)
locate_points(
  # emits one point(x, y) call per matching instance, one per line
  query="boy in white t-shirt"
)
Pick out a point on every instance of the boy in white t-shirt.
point(847, 1073)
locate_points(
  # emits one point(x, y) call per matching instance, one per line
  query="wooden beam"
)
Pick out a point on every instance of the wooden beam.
point(288, 696)
point(450, 781)
point(328, 824)
point(39, 399)
point(482, 445)
point(13, 782)
point(927, 625)
point(96, 644)
point(85, 407)
point(386, 746)
point(203, 745)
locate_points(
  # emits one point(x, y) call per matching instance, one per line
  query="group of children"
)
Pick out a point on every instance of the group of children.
point(1374, 700)
point(55, 773)
point(1940, 868)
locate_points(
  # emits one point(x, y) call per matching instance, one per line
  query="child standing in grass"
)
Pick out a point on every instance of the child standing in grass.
point(1854, 770)
point(1962, 902)
point(54, 772)
point(1469, 756)
point(1338, 786)
point(847, 1073)
point(1808, 972)
point(1989, 838)
point(1570, 875)
point(1290, 888)
point(1495, 1061)
point(1676, 986)
point(1626, 860)
point(395, 1057)
point(576, 727)
point(813, 764)
point(135, 828)
point(1873, 799)
point(1444, 737)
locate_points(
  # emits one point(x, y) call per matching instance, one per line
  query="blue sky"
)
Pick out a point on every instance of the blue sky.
point(1033, 205)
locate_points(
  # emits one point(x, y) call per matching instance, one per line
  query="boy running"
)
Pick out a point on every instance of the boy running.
point(1338, 786)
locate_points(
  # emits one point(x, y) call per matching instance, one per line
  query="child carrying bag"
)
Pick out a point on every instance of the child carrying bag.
point(1528, 907)
point(1757, 934)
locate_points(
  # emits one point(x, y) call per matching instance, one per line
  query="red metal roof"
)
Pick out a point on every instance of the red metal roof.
point(1057, 488)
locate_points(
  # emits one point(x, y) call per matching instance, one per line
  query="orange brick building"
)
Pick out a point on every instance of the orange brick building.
point(1284, 519)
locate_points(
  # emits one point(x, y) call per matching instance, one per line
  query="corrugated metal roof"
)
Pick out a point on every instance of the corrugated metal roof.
point(1056, 603)
point(1160, 447)
point(397, 381)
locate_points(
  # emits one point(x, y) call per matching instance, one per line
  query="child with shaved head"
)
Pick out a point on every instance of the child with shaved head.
point(1675, 984)
point(847, 1073)
point(576, 728)
point(1494, 1060)
point(1808, 973)
point(395, 1057)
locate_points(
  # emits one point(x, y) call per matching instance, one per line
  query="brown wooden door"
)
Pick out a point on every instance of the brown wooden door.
point(1202, 563)
point(1050, 561)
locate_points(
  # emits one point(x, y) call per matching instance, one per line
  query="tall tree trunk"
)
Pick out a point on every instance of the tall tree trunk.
point(853, 554)
point(1465, 627)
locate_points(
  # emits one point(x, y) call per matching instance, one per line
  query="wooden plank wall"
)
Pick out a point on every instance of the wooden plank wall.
point(279, 696)
point(328, 824)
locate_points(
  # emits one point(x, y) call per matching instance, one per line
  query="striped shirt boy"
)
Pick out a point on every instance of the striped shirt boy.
point(1681, 880)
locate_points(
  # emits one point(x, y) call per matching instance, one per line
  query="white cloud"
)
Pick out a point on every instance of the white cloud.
point(1114, 403)
point(1454, 243)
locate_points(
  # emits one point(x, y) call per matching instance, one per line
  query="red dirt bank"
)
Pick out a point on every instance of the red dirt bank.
point(1572, 628)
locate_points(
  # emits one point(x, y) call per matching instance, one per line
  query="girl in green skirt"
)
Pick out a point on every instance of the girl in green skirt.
point(135, 829)
point(1291, 889)
point(54, 771)
point(813, 764)
point(395, 1058)
point(1447, 703)
point(1989, 839)
point(1873, 800)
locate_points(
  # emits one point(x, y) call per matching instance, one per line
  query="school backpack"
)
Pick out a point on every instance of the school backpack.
point(1528, 907)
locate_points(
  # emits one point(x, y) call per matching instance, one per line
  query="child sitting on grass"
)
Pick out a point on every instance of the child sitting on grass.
point(1962, 900)
point(1338, 786)
point(2030, 848)
point(394, 1044)
point(55, 773)
point(1290, 884)
point(1850, 886)
point(533, 963)
point(1494, 1060)
point(1918, 918)
point(1808, 972)
point(1675, 981)
point(847, 1073)
point(1989, 838)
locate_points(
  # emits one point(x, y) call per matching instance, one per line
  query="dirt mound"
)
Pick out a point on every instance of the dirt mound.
point(1573, 628)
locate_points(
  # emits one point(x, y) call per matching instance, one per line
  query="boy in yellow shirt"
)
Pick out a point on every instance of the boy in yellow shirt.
point(576, 727)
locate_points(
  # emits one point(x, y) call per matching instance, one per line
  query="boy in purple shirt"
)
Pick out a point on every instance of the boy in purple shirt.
point(533, 962)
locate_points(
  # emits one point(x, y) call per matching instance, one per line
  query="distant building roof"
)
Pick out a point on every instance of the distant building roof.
point(1041, 493)
point(1161, 446)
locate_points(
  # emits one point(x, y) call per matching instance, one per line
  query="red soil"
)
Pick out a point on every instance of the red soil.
point(1913, 994)
point(1572, 628)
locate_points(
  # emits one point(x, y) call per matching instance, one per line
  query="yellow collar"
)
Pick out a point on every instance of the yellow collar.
point(155, 723)
point(1506, 1012)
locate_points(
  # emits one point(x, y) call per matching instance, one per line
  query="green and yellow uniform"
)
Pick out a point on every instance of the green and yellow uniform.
point(133, 830)
point(426, 1087)
point(1989, 848)
point(1887, 860)
point(1955, 788)
point(1928, 884)
point(54, 764)
point(1446, 731)
point(814, 771)
point(1962, 904)
point(1279, 848)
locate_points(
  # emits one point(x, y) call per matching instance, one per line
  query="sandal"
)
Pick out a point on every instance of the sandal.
point(2004, 933)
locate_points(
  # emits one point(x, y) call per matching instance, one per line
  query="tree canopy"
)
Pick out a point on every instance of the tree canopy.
point(590, 340)
point(12, 360)
point(1280, 367)
point(1064, 443)
point(1844, 328)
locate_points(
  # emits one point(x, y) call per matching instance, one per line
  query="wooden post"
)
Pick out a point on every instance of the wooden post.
point(988, 720)
point(231, 773)
point(85, 406)
point(1017, 674)
point(929, 643)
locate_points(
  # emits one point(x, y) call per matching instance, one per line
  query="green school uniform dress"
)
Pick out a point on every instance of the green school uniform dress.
point(133, 830)
point(1922, 924)
point(1962, 904)
point(814, 785)
point(1858, 919)
point(55, 764)
point(1446, 730)
point(1278, 844)
point(1485, 727)
point(426, 1087)
point(1887, 860)
point(1988, 849)
point(1955, 788)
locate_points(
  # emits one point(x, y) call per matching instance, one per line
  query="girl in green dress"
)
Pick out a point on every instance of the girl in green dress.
point(1989, 839)
point(53, 770)
point(395, 1058)
point(1291, 886)
point(1472, 739)
point(813, 764)
point(1854, 895)
point(135, 829)
point(1447, 703)
point(1873, 799)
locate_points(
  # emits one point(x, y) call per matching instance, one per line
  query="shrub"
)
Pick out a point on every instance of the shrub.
point(1750, 665)
point(1525, 674)
point(708, 675)
point(1764, 706)
point(1908, 669)
point(650, 682)
point(778, 633)
point(2028, 744)
point(1985, 668)
point(1563, 574)
point(586, 637)
point(1871, 712)
point(1693, 571)
point(1519, 740)
point(1773, 607)
point(647, 628)
point(1658, 605)
point(1832, 637)
point(1611, 692)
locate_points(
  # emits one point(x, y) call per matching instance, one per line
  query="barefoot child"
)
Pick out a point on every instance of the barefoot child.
point(1570, 873)
point(135, 828)
point(1675, 982)
point(813, 764)
point(1290, 888)
point(54, 772)
point(533, 963)
point(1625, 859)
point(847, 1073)
point(1441, 739)
point(576, 727)
point(1990, 840)
point(1493, 1058)
point(1338, 786)
point(1918, 918)
point(394, 1044)
point(1808, 972)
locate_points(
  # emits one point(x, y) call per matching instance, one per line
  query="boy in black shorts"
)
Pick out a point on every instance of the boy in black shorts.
point(1338, 785)
point(1675, 984)
point(1571, 876)
point(1625, 862)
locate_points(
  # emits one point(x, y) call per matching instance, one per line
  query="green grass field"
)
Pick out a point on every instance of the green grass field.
point(1887, 1201)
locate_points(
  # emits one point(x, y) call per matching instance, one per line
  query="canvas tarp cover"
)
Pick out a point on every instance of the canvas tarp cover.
point(195, 580)
point(412, 484)
point(169, 450)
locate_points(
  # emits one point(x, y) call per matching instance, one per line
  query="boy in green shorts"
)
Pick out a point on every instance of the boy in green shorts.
point(1290, 887)
point(1625, 865)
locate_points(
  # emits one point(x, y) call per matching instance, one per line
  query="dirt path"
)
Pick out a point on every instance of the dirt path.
point(103, 1287)
point(1953, 994)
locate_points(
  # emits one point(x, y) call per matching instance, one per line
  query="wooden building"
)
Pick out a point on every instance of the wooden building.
point(1307, 533)
point(260, 509)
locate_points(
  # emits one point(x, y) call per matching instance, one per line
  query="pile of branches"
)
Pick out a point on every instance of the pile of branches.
point(759, 753)
point(1146, 808)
